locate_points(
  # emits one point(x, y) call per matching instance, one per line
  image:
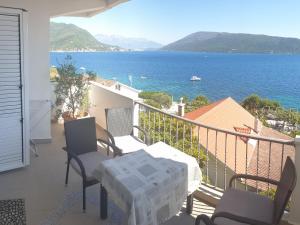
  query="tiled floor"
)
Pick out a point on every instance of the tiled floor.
point(49, 202)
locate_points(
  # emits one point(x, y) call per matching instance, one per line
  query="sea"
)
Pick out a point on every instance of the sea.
point(272, 76)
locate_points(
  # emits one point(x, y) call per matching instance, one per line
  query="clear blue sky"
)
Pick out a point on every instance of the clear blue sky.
point(165, 21)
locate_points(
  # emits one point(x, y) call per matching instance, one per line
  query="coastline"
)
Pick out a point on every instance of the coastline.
point(272, 76)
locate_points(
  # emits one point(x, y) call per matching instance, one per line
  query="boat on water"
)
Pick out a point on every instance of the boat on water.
point(195, 78)
point(143, 77)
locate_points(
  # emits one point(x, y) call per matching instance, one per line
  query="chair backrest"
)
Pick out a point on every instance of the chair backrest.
point(285, 188)
point(119, 121)
point(81, 135)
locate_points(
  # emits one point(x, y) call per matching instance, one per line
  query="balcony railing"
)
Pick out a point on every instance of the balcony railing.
point(220, 152)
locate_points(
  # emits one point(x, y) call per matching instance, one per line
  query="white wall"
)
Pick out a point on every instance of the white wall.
point(37, 56)
point(102, 97)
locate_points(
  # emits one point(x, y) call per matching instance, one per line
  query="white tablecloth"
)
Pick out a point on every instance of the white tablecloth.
point(150, 185)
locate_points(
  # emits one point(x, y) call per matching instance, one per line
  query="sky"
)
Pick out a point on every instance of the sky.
point(165, 21)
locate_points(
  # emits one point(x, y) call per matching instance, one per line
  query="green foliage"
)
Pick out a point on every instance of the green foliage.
point(85, 104)
point(294, 133)
point(156, 99)
point(91, 75)
point(71, 87)
point(263, 107)
point(252, 104)
point(69, 37)
point(290, 116)
point(53, 73)
point(271, 194)
point(196, 103)
point(256, 105)
point(153, 103)
point(173, 132)
point(230, 42)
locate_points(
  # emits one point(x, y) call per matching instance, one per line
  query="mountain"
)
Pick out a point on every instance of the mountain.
point(68, 37)
point(128, 42)
point(234, 42)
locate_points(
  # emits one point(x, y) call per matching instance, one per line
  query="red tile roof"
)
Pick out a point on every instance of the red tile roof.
point(265, 156)
point(243, 130)
point(202, 110)
point(261, 161)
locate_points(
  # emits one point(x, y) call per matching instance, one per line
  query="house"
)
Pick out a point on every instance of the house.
point(239, 154)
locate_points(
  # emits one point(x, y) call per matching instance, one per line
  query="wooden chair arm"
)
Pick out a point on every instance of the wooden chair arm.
point(251, 177)
point(204, 218)
point(239, 219)
point(116, 150)
point(147, 139)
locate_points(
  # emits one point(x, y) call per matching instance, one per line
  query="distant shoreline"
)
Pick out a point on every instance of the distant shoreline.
point(73, 51)
point(172, 51)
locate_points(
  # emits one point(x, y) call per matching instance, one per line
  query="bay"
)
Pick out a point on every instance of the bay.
point(271, 76)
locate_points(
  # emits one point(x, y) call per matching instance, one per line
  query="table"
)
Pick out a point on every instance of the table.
point(150, 185)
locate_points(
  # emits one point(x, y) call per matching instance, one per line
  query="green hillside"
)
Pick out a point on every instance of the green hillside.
point(231, 42)
point(68, 37)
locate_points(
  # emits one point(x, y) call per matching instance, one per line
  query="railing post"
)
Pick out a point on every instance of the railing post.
point(135, 117)
point(294, 217)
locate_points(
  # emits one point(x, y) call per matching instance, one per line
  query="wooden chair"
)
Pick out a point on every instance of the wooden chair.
point(238, 207)
point(119, 123)
point(83, 155)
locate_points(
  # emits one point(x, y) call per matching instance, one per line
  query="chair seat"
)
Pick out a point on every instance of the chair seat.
point(90, 162)
point(245, 204)
point(129, 144)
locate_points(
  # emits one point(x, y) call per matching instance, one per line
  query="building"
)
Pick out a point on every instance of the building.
point(239, 154)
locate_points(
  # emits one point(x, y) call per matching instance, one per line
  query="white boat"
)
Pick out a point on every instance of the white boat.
point(195, 78)
point(143, 77)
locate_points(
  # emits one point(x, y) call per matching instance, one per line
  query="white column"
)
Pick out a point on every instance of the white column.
point(181, 107)
point(294, 217)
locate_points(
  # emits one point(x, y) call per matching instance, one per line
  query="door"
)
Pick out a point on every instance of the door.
point(11, 90)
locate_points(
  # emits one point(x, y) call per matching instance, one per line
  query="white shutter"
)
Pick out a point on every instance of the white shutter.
point(11, 110)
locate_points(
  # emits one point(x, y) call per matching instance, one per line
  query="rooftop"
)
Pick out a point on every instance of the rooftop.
point(230, 115)
point(202, 110)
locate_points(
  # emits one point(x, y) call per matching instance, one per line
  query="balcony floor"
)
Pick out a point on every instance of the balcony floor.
point(49, 202)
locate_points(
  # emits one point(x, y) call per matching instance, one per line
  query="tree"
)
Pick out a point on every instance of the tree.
point(156, 99)
point(196, 103)
point(71, 87)
point(252, 104)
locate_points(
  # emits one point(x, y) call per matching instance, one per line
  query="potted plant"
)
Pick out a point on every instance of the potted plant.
point(71, 90)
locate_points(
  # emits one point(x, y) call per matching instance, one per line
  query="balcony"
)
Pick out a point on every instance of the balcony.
point(48, 201)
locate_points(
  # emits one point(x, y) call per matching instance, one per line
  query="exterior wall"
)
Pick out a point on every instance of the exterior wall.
point(128, 91)
point(102, 97)
point(37, 57)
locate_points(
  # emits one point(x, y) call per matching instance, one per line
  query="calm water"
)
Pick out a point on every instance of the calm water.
point(238, 75)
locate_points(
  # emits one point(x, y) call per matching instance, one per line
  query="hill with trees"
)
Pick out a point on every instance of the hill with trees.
point(68, 37)
point(235, 43)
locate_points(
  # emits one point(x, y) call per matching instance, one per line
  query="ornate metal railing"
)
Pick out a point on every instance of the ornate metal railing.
point(220, 152)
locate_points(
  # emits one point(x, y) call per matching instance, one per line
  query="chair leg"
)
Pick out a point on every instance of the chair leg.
point(103, 203)
point(67, 173)
point(189, 204)
point(83, 196)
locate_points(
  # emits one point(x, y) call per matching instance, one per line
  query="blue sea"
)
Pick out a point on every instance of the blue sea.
point(237, 75)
